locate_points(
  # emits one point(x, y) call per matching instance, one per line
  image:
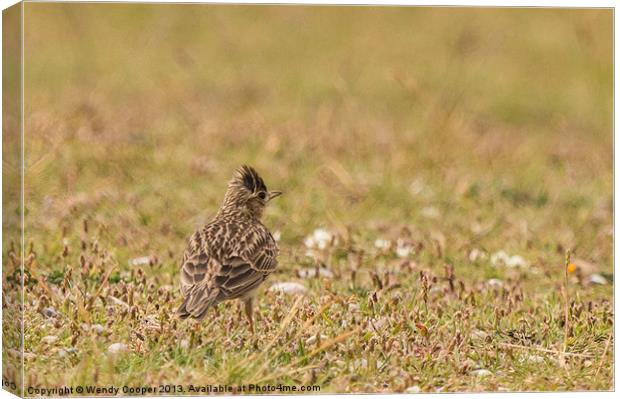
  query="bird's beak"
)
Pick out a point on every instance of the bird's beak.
point(273, 194)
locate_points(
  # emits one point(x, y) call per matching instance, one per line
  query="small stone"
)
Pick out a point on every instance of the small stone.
point(63, 352)
point(312, 339)
point(184, 343)
point(436, 290)
point(97, 328)
point(481, 373)
point(495, 283)
point(288, 288)
point(49, 339)
point(479, 335)
point(117, 348)
point(598, 279)
point(49, 312)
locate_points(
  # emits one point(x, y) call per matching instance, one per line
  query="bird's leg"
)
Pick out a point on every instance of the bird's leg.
point(248, 313)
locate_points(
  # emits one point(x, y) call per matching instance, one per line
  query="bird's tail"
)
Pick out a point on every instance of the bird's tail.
point(197, 303)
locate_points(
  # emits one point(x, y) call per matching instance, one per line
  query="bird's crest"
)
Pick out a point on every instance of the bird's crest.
point(248, 177)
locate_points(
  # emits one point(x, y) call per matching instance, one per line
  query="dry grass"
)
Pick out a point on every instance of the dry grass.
point(425, 141)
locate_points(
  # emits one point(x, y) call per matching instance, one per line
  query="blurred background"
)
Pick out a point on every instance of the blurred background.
point(362, 115)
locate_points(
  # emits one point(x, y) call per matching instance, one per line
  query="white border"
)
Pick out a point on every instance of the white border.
point(480, 3)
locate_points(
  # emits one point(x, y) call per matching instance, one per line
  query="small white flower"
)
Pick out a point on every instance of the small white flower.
point(476, 254)
point(143, 260)
point(403, 248)
point(501, 258)
point(322, 238)
point(516, 261)
point(382, 244)
point(495, 283)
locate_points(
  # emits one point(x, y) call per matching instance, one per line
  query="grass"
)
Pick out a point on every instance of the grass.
point(423, 141)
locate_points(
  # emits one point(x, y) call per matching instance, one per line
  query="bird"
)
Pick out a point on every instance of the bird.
point(231, 256)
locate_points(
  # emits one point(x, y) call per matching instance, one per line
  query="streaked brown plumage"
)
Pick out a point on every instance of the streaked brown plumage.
point(234, 253)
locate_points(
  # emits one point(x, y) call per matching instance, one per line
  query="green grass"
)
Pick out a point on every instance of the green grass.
point(451, 130)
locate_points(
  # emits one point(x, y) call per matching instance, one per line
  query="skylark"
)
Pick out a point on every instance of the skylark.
point(234, 253)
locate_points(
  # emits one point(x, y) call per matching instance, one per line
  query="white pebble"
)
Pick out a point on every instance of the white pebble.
point(354, 307)
point(49, 339)
point(598, 279)
point(117, 348)
point(481, 373)
point(495, 282)
point(536, 358)
point(49, 312)
point(288, 288)
point(478, 334)
point(312, 339)
point(97, 328)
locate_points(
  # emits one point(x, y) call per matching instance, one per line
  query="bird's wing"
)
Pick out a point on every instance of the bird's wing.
point(260, 250)
point(206, 281)
point(253, 259)
point(197, 279)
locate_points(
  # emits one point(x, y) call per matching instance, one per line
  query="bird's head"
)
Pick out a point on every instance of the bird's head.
point(247, 193)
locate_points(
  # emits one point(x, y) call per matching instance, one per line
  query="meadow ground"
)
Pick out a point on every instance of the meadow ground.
point(437, 166)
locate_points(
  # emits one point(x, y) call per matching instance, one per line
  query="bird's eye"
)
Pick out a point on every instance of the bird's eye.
point(262, 195)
